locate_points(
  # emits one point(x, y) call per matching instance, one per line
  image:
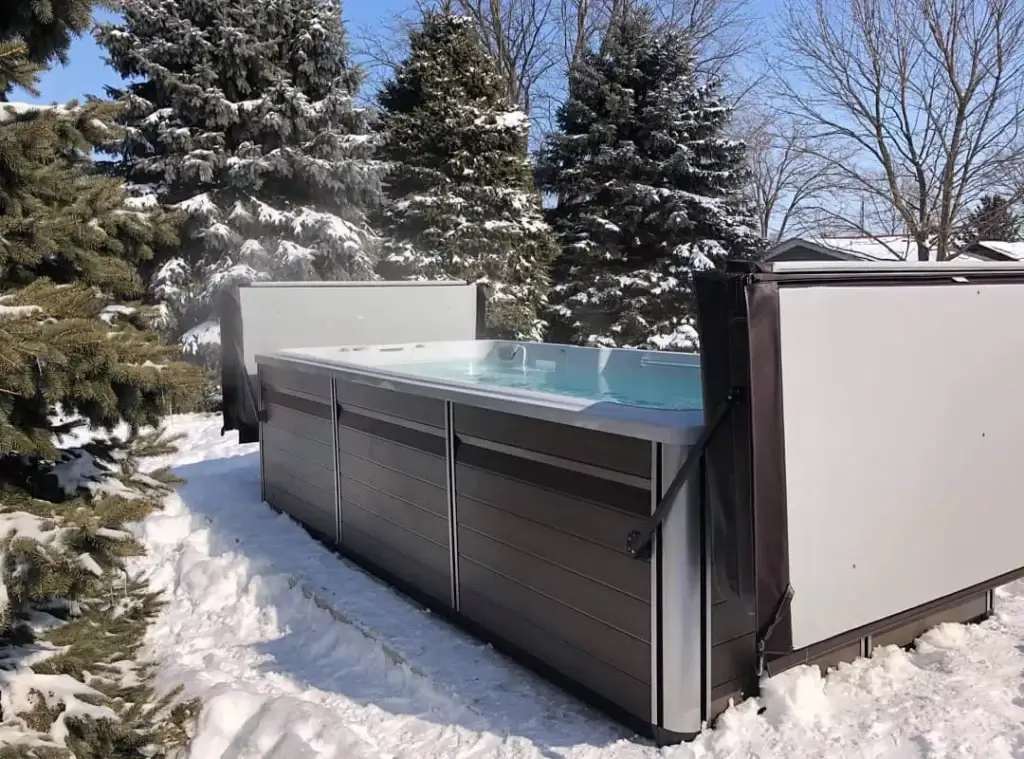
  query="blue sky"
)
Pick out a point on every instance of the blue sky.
point(86, 72)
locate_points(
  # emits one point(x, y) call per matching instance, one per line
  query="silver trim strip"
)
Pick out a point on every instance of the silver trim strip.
point(655, 565)
point(337, 462)
point(684, 634)
point(259, 428)
point(561, 463)
point(398, 421)
point(672, 364)
point(453, 511)
point(295, 393)
point(707, 569)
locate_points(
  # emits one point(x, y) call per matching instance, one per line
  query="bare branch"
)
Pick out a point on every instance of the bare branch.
point(380, 47)
point(788, 179)
point(917, 103)
point(722, 31)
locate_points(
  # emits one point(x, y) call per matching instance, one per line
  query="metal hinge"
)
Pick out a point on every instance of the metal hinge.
point(762, 638)
point(638, 542)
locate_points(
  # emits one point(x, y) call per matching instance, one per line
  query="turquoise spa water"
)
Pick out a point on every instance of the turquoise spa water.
point(657, 387)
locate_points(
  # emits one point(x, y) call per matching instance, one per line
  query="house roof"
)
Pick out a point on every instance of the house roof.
point(1013, 251)
point(881, 248)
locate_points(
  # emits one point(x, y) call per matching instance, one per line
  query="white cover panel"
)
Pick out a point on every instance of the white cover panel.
point(904, 428)
point(353, 313)
point(955, 267)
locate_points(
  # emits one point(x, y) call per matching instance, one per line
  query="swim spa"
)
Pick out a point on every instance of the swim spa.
point(501, 480)
point(658, 531)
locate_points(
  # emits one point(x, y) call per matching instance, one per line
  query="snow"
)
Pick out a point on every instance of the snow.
point(109, 312)
point(219, 230)
point(267, 214)
point(684, 338)
point(207, 333)
point(88, 563)
point(296, 653)
point(158, 116)
point(290, 252)
point(15, 312)
point(507, 120)
point(881, 248)
point(142, 196)
point(20, 686)
point(18, 311)
point(27, 525)
point(199, 205)
point(332, 226)
point(10, 111)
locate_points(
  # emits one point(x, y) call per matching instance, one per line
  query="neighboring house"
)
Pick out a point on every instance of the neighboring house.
point(881, 248)
point(996, 250)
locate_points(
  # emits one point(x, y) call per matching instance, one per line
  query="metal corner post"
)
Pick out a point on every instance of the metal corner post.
point(656, 616)
point(259, 428)
point(453, 514)
point(683, 636)
point(706, 568)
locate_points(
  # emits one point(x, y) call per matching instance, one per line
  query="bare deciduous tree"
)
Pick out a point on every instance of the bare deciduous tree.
point(927, 95)
point(789, 182)
point(521, 35)
point(579, 23)
point(723, 32)
point(380, 47)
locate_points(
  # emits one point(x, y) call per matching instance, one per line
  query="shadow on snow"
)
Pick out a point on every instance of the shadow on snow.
point(384, 650)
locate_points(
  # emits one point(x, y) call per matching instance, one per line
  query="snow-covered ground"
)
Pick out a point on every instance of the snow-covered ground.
point(297, 654)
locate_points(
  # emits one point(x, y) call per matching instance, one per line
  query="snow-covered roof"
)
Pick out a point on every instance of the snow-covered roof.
point(880, 248)
point(1013, 251)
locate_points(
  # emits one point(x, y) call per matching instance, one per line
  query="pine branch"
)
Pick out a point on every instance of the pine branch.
point(73, 622)
point(15, 68)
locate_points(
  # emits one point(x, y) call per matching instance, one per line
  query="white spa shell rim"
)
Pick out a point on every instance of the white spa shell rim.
point(370, 365)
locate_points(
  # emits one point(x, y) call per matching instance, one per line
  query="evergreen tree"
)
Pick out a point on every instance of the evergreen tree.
point(241, 115)
point(461, 202)
point(993, 219)
point(36, 33)
point(647, 188)
point(70, 336)
point(74, 344)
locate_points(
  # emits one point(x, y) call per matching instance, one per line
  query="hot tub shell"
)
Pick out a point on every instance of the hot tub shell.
point(511, 514)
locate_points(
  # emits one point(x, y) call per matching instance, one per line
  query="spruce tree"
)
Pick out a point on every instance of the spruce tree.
point(75, 347)
point(71, 337)
point(460, 201)
point(647, 189)
point(241, 115)
point(35, 34)
point(993, 219)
